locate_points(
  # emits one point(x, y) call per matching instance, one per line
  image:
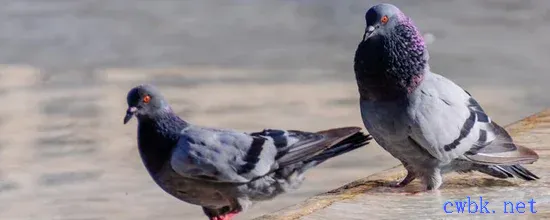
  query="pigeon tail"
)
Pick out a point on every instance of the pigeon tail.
point(348, 139)
point(505, 171)
point(302, 152)
point(351, 143)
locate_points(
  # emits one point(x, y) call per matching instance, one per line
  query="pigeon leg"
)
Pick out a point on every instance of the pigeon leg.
point(433, 179)
point(408, 179)
point(227, 216)
point(230, 215)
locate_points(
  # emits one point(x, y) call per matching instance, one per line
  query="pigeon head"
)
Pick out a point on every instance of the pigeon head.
point(381, 20)
point(145, 101)
point(392, 56)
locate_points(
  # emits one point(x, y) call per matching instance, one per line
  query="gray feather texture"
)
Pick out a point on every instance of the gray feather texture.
point(224, 170)
point(429, 123)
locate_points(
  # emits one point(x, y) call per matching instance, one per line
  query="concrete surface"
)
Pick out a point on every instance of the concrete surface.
point(371, 198)
point(67, 65)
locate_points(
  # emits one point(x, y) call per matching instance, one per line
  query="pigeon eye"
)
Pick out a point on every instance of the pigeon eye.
point(146, 99)
point(384, 19)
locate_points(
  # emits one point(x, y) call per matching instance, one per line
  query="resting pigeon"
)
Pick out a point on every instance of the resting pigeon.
point(224, 171)
point(429, 123)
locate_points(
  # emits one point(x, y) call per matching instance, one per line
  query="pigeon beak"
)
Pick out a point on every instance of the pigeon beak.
point(368, 32)
point(129, 113)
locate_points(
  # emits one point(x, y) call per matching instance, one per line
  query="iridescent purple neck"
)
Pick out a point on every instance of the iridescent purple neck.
point(392, 65)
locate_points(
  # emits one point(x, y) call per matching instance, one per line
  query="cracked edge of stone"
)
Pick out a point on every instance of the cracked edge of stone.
point(346, 192)
point(529, 123)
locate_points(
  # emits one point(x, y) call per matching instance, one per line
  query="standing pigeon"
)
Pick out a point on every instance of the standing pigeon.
point(224, 171)
point(421, 118)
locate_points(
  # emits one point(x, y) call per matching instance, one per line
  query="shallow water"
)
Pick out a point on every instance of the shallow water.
point(67, 65)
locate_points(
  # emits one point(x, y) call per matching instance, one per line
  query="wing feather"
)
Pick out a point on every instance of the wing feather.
point(237, 157)
point(449, 124)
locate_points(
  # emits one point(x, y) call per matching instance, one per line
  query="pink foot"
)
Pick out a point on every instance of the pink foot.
point(227, 216)
point(230, 215)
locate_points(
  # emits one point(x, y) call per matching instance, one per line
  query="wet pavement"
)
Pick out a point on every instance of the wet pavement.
point(66, 67)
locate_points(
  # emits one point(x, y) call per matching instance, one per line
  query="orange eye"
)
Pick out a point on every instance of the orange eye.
point(384, 19)
point(146, 99)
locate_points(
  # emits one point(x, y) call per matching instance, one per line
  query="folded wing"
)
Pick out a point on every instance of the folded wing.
point(450, 124)
point(236, 157)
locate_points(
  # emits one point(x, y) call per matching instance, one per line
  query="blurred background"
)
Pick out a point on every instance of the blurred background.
point(66, 66)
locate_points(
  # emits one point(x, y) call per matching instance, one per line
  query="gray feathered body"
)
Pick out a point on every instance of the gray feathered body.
point(224, 171)
point(203, 169)
point(395, 125)
point(429, 123)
